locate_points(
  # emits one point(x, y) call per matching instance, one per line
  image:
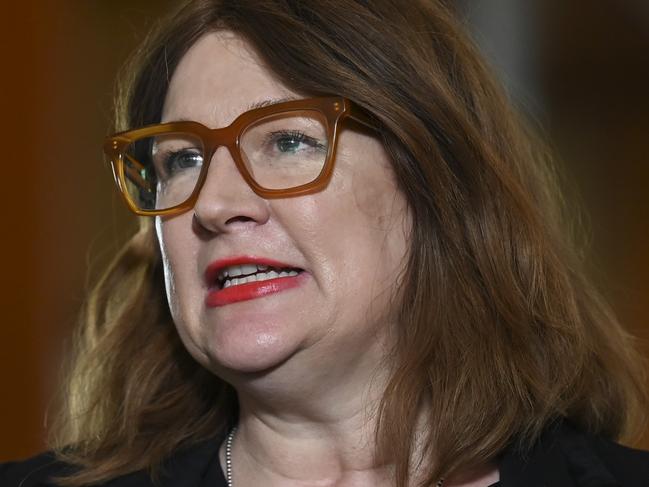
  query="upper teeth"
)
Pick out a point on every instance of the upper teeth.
point(262, 276)
point(241, 270)
point(250, 273)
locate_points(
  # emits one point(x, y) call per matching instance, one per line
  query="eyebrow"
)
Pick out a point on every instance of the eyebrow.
point(267, 102)
point(258, 104)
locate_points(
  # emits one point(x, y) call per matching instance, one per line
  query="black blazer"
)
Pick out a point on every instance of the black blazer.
point(563, 457)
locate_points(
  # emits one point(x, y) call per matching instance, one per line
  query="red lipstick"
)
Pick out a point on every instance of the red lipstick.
point(218, 296)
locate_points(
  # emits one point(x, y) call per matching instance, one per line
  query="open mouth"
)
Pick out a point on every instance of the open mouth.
point(236, 275)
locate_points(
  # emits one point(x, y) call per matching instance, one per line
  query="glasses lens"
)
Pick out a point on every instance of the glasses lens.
point(162, 170)
point(287, 149)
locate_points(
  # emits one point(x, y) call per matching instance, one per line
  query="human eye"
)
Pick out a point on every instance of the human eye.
point(289, 142)
point(174, 162)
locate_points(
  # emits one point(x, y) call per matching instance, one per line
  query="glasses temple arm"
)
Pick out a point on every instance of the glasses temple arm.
point(359, 115)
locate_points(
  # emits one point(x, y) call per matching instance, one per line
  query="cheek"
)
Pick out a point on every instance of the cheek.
point(360, 227)
point(364, 170)
point(382, 212)
point(381, 206)
point(179, 264)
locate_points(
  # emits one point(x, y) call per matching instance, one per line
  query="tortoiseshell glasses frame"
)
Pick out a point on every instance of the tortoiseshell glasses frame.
point(331, 110)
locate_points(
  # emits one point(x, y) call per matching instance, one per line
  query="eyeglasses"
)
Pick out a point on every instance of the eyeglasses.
point(281, 150)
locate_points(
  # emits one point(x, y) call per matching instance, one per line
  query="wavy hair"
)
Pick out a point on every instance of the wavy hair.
point(500, 330)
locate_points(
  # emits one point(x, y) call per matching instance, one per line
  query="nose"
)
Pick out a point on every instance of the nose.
point(225, 201)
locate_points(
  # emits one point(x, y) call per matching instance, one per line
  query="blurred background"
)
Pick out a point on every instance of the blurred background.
point(581, 68)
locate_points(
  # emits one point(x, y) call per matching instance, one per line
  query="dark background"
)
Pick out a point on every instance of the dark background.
point(579, 67)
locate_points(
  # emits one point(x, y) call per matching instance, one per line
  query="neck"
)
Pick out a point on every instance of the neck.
point(315, 431)
point(282, 450)
point(318, 429)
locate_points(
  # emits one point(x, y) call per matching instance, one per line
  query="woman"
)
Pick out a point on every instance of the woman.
point(351, 270)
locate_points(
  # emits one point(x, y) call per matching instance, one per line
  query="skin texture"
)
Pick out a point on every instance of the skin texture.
point(307, 363)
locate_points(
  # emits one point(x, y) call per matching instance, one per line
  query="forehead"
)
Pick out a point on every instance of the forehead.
point(219, 78)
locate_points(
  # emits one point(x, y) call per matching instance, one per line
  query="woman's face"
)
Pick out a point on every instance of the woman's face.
point(348, 240)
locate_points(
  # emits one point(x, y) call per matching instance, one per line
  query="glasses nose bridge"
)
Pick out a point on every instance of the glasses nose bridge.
point(220, 137)
point(213, 139)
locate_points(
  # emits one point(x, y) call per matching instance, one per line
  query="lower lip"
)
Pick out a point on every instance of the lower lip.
point(251, 290)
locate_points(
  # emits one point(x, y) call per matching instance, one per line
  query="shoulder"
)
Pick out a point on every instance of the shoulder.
point(567, 456)
point(627, 465)
point(39, 470)
point(195, 465)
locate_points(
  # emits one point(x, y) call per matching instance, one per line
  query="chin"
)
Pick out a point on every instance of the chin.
point(245, 354)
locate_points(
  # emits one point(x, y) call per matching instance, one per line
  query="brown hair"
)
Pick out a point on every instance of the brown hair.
point(500, 331)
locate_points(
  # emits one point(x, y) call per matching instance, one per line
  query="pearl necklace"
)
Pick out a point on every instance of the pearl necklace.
point(228, 459)
point(228, 456)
